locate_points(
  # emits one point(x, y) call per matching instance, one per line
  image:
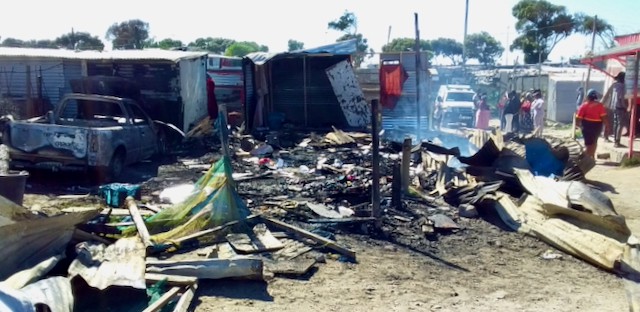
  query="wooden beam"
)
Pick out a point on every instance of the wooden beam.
point(174, 280)
point(317, 238)
point(139, 222)
point(162, 301)
point(185, 299)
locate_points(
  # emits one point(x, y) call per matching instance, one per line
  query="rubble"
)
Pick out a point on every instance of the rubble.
point(266, 208)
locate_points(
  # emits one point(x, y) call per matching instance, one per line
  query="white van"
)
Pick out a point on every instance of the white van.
point(457, 104)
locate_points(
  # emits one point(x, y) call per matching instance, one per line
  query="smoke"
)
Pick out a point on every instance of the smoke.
point(402, 121)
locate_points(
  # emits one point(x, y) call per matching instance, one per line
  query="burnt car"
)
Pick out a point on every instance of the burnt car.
point(93, 132)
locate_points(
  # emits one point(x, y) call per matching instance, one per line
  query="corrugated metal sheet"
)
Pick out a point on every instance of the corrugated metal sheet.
point(147, 54)
point(72, 71)
point(323, 109)
point(158, 83)
point(249, 100)
point(226, 78)
point(561, 99)
point(346, 47)
point(343, 48)
point(13, 78)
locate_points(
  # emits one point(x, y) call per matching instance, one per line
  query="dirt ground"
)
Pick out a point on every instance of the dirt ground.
point(483, 267)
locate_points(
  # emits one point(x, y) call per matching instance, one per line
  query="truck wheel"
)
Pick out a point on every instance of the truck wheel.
point(113, 171)
point(162, 145)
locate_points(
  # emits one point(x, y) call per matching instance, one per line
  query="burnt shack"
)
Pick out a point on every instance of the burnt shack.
point(171, 84)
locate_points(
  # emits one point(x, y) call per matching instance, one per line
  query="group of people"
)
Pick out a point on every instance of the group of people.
point(524, 114)
point(608, 117)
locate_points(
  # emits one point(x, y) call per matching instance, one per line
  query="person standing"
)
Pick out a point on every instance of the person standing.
point(483, 113)
point(537, 113)
point(525, 120)
point(591, 117)
point(437, 114)
point(504, 99)
point(511, 111)
point(614, 99)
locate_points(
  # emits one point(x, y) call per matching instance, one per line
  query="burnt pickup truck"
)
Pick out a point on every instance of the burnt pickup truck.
point(99, 133)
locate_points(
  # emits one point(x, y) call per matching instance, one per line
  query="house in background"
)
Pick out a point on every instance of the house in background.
point(298, 88)
point(172, 84)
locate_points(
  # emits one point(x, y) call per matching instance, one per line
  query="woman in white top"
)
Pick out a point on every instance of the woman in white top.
point(537, 113)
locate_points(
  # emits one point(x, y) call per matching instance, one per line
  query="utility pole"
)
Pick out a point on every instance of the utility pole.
point(464, 37)
point(506, 51)
point(418, 72)
point(389, 35)
point(593, 43)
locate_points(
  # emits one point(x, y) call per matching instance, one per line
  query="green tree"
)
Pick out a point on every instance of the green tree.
point(79, 40)
point(17, 43)
point(348, 23)
point(449, 48)
point(541, 26)
point(604, 30)
point(213, 45)
point(483, 47)
point(128, 35)
point(406, 44)
point(166, 44)
point(245, 47)
point(295, 45)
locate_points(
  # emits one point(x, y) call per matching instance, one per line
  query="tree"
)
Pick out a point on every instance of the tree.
point(406, 44)
point(449, 48)
point(541, 26)
point(348, 24)
point(245, 47)
point(213, 45)
point(295, 45)
point(80, 41)
point(129, 34)
point(604, 30)
point(166, 44)
point(483, 47)
point(17, 43)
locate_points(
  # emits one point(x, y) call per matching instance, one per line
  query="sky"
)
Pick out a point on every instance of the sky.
point(273, 23)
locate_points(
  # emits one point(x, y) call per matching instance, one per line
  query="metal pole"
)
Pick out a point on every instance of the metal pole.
point(634, 104)
point(593, 43)
point(375, 150)
point(418, 70)
point(464, 37)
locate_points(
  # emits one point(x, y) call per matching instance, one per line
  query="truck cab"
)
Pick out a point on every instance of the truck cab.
point(457, 105)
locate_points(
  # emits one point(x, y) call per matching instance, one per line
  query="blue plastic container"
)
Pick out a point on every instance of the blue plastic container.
point(116, 193)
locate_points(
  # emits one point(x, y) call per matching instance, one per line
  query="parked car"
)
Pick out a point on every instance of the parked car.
point(457, 105)
point(91, 132)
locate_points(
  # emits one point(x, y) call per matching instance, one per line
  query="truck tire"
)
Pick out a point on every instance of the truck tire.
point(115, 168)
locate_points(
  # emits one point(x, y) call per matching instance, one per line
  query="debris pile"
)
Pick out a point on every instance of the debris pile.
point(271, 205)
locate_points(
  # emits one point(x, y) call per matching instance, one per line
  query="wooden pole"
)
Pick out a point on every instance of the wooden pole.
point(593, 43)
point(139, 222)
point(406, 162)
point(634, 104)
point(418, 70)
point(396, 187)
point(375, 166)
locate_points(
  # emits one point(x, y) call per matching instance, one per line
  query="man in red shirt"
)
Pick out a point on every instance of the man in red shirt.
point(591, 117)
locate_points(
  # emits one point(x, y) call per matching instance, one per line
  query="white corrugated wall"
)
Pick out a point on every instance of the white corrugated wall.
point(193, 89)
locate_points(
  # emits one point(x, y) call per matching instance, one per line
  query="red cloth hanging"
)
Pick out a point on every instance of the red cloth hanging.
point(392, 77)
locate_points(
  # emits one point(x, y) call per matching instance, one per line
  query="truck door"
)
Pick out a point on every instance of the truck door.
point(141, 122)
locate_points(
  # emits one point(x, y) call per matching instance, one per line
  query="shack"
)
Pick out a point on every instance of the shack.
point(299, 88)
point(226, 73)
point(172, 83)
point(562, 95)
